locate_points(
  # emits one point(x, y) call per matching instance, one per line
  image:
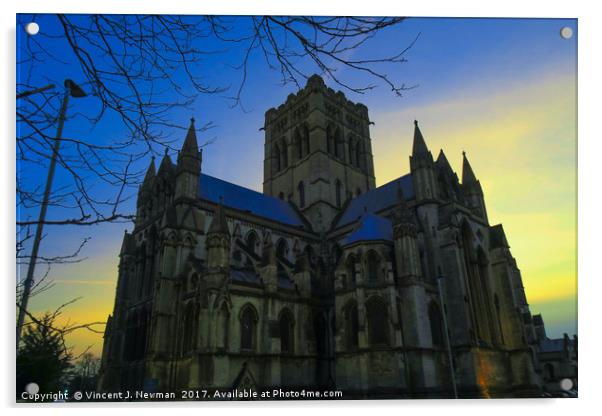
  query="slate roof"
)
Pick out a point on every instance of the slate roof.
point(377, 199)
point(552, 345)
point(244, 199)
point(371, 228)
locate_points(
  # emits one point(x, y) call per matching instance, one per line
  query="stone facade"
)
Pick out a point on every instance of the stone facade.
point(324, 280)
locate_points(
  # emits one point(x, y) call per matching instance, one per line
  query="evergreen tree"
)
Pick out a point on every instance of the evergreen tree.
point(43, 356)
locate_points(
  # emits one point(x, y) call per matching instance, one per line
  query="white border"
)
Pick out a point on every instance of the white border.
point(589, 190)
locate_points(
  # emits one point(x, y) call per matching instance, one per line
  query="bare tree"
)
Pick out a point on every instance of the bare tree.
point(127, 62)
point(140, 69)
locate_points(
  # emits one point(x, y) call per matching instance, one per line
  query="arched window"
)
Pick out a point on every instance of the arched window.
point(305, 140)
point(436, 325)
point(330, 144)
point(372, 264)
point(301, 189)
point(188, 328)
point(298, 144)
point(248, 323)
point(350, 268)
point(223, 319)
point(338, 143)
point(376, 312)
point(251, 243)
point(284, 154)
point(281, 252)
point(285, 324)
point(358, 155)
point(276, 156)
point(282, 248)
point(351, 151)
point(338, 192)
point(351, 325)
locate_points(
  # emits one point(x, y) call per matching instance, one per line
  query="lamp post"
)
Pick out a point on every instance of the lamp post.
point(36, 91)
point(452, 371)
point(71, 90)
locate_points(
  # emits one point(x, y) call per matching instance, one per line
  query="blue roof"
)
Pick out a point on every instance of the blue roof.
point(553, 345)
point(377, 199)
point(245, 199)
point(371, 228)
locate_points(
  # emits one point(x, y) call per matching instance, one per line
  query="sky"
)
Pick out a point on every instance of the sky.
point(502, 90)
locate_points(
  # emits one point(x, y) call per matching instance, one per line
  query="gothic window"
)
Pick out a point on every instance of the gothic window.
point(301, 189)
point(141, 270)
point(276, 158)
point(248, 324)
point(251, 243)
point(330, 144)
point(338, 193)
point(338, 143)
point(350, 268)
point(372, 264)
point(377, 318)
point(436, 325)
point(222, 323)
point(285, 324)
point(305, 140)
point(358, 155)
point(281, 248)
point(298, 144)
point(188, 329)
point(351, 325)
point(351, 151)
point(284, 154)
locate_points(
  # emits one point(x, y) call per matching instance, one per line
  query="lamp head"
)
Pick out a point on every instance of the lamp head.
point(75, 90)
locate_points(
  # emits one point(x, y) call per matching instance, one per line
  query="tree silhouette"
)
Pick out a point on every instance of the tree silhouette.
point(43, 357)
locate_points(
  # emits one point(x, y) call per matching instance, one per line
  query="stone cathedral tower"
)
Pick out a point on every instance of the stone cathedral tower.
point(318, 152)
point(323, 281)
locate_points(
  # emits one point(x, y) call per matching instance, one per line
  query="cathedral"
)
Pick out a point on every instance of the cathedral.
point(323, 281)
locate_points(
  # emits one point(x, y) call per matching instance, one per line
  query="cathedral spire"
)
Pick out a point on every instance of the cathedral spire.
point(188, 169)
point(190, 145)
point(150, 172)
point(166, 164)
point(443, 163)
point(419, 147)
point(468, 176)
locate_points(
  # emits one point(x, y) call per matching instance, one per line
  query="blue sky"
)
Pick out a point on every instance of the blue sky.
point(501, 89)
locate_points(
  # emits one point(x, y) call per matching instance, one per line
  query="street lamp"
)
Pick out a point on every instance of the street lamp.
point(71, 90)
point(36, 91)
